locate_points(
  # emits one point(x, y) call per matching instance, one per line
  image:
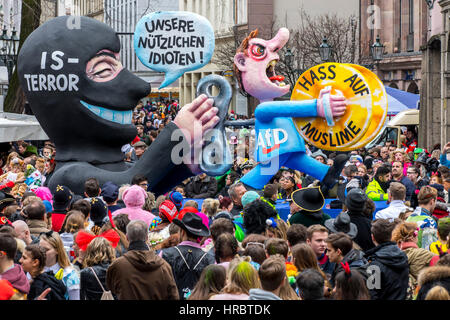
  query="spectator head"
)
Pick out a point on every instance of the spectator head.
point(316, 236)
point(427, 197)
point(255, 250)
point(384, 153)
point(338, 245)
point(140, 180)
point(350, 286)
point(92, 188)
point(405, 232)
point(304, 257)
point(75, 221)
point(242, 276)
point(98, 251)
point(249, 197)
point(369, 209)
point(383, 174)
point(110, 192)
point(84, 206)
point(375, 152)
point(211, 282)
point(35, 210)
point(397, 169)
point(397, 191)
point(277, 246)
point(356, 200)
point(231, 178)
point(236, 191)
point(350, 171)
point(225, 204)
point(444, 228)
point(191, 204)
point(22, 231)
point(8, 247)
point(412, 173)
point(220, 226)
point(210, 207)
point(121, 221)
point(382, 231)
point(225, 247)
point(33, 259)
point(270, 192)
point(255, 215)
point(272, 273)
point(137, 230)
point(276, 228)
point(54, 248)
point(295, 234)
point(310, 285)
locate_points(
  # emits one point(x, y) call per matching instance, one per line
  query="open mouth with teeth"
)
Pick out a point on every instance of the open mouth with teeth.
point(270, 73)
point(120, 117)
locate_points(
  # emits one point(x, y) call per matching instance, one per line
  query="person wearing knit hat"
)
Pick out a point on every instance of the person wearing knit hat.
point(99, 211)
point(319, 153)
point(440, 246)
point(356, 203)
point(176, 198)
point(110, 194)
point(356, 159)
point(249, 197)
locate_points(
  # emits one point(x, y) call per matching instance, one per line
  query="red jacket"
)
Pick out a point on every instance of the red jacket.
point(57, 220)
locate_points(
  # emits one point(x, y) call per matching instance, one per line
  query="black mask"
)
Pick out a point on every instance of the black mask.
point(87, 120)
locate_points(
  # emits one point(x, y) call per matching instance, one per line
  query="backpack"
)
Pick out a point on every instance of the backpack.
point(107, 295)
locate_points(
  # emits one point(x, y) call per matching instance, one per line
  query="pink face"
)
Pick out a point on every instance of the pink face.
point(258, 67)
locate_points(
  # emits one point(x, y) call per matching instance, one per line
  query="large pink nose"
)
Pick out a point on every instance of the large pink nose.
point(280, 39)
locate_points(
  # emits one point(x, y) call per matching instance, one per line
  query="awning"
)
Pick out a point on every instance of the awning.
point(399, 100)
point(15, 127)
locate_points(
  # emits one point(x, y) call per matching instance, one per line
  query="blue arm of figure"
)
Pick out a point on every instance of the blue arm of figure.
point(267, 111)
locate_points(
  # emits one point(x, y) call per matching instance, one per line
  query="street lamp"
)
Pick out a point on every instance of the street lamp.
point(9, 47)
point(377, 50)
point(289, 58)
point(325, 50)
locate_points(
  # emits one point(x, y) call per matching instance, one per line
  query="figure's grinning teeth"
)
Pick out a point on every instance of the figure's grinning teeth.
point(270, 73)
point(121, 117)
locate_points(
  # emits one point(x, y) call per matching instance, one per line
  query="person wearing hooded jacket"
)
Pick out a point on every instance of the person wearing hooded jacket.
point(134, 199)
point(388, 265)
point(140, 274)
point(340, 250)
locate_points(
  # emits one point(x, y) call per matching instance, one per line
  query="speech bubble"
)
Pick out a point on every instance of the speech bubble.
point(174, 42)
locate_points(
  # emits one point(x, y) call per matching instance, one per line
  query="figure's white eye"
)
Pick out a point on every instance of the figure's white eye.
point(258, 51)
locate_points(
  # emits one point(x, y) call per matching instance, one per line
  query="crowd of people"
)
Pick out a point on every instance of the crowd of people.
point(214, 238)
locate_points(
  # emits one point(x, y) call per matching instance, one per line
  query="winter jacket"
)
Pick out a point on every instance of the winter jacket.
point(187, 261)
point(259, 294)
point(393, 274)
point(418, 259)
point(375, 192)
point(410, 187)
point(42, 282)
point(309, 218)
point(37, 227)
point(363, 237)
point(355, 260)
point(134, 199)
point(431, 277)
point(141, 275)
point(90, 289)
point(201, 189)
point(16, 276)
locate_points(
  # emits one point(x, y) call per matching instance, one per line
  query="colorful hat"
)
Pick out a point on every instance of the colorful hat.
point(168, 210)
point(249, 197)
point(176, 198)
